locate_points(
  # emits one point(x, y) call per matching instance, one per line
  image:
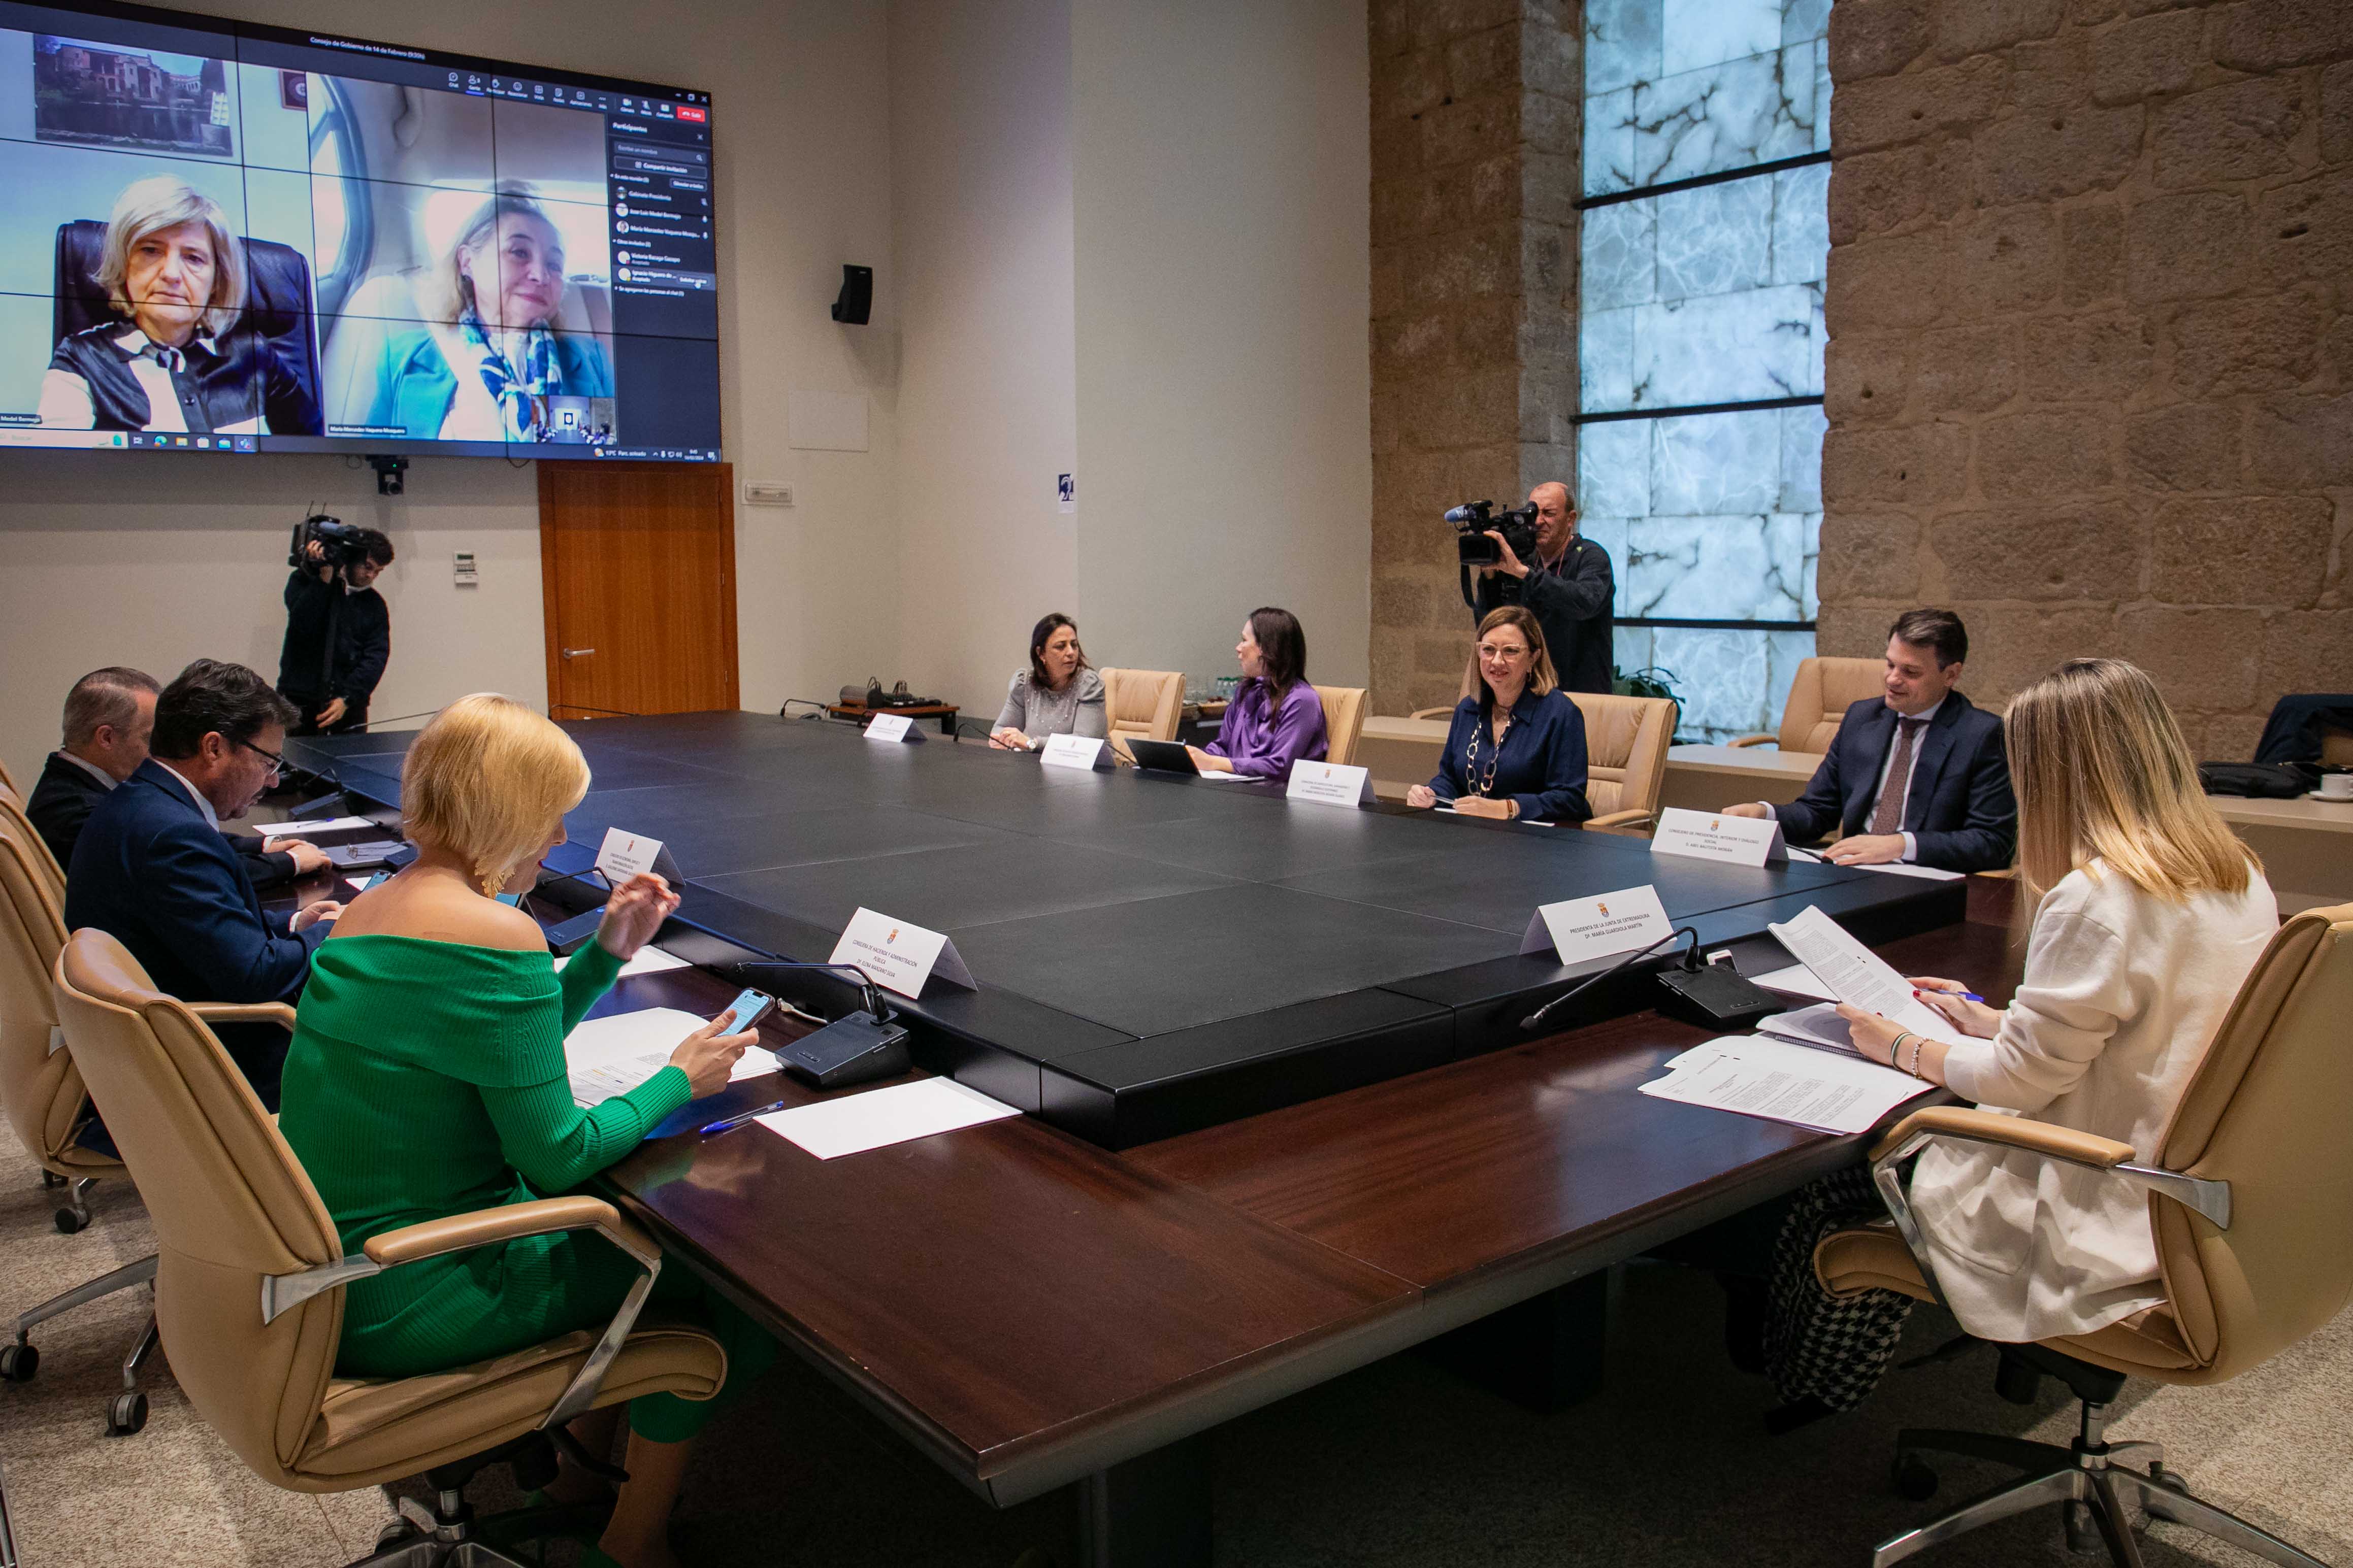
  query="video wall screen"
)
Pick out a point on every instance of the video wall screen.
point(230, 238)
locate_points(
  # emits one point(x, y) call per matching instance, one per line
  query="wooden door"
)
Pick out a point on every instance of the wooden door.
point(637, 572)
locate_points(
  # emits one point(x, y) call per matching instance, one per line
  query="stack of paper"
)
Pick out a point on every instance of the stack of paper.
point(1783, 1082)
point(613, 1055)
point(1818, 1026)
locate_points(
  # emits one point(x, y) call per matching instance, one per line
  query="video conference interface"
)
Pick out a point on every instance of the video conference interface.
point(228, 238)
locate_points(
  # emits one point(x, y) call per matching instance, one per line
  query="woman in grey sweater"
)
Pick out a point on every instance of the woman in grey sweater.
point(1057, 695)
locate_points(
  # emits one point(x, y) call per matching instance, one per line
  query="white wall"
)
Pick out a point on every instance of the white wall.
point(154, 560)
point(1223, 295)
point(980, 147)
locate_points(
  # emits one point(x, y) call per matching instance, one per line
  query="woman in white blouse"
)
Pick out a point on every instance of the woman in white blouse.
point(2148, 914)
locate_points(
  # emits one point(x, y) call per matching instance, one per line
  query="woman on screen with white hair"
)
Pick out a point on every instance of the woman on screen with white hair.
point(492, 356)
point(180, 357)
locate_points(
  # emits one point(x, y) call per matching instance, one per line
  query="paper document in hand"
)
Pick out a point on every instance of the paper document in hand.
point(1855, 974)
point(610, 1056)
point(1782, 1081)
point(316, 825)
point(1817, 1026)
point(1795, 980)
point(854, 1123)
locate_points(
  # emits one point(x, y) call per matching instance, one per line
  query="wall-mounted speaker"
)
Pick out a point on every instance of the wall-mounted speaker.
point(857, 301)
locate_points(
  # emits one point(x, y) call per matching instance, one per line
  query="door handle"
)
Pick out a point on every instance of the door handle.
point(576, 652)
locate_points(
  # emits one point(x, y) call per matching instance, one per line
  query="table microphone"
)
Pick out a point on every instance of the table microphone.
point(855, 1047)
point(1691, 960)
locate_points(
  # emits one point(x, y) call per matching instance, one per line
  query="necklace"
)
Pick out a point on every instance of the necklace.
point(1484, 783)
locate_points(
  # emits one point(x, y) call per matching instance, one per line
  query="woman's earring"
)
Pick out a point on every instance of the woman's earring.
point(492, 881)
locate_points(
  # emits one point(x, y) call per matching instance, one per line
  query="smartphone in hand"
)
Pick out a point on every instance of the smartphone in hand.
point(746, 1011)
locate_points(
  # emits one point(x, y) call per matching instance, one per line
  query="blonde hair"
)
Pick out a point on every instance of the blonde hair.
point(448, 292)
point(489, 779)
point(157, 202)
point(1541, 678)
point(2102, 772)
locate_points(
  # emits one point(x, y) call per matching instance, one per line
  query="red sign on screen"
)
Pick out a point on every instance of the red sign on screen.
point(685, 113)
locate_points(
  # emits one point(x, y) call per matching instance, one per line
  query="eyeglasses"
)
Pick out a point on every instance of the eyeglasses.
point(276, 762)
point(1489, 650)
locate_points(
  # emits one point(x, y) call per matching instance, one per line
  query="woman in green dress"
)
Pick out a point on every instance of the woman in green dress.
point(427, 1077)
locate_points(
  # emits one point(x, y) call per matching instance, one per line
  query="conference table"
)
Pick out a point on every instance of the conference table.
point(1035, 1309)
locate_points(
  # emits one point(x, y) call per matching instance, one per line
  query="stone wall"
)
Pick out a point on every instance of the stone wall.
point(2090, 374)
point(1476, 115)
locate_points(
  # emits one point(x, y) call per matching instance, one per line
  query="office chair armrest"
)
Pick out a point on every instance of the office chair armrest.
point(1620, 819)
point(2086, 1151)
point(1429, 713)
point(277, 1013)
point(1774, 740)
point(485, 1227)
point(1967, 1123)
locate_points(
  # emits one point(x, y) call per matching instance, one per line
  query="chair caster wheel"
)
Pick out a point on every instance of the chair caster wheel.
point(2084, 1536)
point(397, 1532)
point(18, 1363)
point(2171, 1480)
point(1913, 1479)
point(69, 1222)
point(51, 1181)
point(125, 1414)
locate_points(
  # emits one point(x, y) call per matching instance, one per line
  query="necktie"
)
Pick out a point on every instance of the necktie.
point(1887, 816)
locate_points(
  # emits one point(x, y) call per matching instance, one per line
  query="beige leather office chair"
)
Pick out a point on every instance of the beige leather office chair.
point(1820, 695)
point(2250, 1190)
point(249, 1291)
point(8, 781)
point(44, 865)
point(1470, 687)
point(1344, 721)
point(44, 1097)
point(1143, 703)
point(1626, 742)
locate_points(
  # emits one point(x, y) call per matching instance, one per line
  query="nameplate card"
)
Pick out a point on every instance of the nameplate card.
point(898, 956)
point(1330, 784)
point(1083, 751)
point(1712, 836)
point(892, 727)
point(624, 855)
point(1627, 921)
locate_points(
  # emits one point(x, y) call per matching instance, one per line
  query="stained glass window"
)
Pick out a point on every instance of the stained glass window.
point(1704, 236)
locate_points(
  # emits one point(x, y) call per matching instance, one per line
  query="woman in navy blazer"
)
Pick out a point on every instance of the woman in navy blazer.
point(1517, 748)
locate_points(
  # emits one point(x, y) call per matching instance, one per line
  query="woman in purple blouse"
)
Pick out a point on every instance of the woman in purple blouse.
point(1276, 719)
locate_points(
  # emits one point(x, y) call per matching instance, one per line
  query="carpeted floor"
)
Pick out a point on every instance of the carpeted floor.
point(1398, 1464)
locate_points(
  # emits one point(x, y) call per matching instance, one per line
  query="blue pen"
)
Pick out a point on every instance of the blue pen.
point(723, 1123)
point(1963, 996)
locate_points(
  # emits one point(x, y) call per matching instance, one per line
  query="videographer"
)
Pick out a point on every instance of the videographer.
point(1567, 586)
point(338, 627)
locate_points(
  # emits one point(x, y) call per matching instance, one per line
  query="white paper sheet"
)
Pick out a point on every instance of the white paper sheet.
point(650, 960)
point(1855, 974)
point(881, 1116)
point(317, 825)
point(1782, 1081)
point(613, 1055)
point(1795, 980)
point(1897, 869)
point(1218, 775)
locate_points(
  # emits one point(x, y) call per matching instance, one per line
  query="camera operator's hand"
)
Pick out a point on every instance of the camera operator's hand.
point(1510, 562)
point(315, 552)
point(332, 714)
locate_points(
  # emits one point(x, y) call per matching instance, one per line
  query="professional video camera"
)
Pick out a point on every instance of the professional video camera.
point(1472, 520)
point(340, 543)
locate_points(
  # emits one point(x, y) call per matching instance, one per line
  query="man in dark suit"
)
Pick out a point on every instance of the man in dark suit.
point(153, 869)
point(1567, 587)
point(1920, 775)
point(109, 713)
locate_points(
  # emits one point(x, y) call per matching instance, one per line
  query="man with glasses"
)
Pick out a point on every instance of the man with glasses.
point(152, 870)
